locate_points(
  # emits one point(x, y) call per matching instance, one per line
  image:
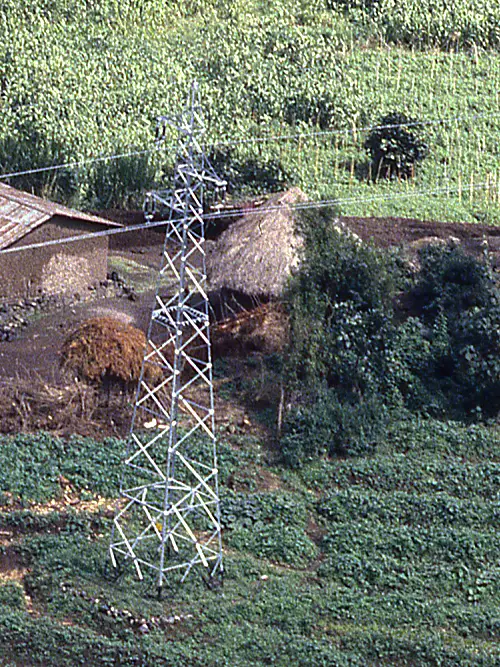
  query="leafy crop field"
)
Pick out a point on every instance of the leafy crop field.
point(78, 82)
point(391, 558)
point(384, 560)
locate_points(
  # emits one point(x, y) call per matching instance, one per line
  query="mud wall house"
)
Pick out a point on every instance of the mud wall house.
point(67, 268)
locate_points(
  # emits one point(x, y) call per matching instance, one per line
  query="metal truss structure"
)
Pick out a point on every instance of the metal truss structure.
point(168, 517)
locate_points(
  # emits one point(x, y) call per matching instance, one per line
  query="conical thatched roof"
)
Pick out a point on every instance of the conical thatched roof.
point(257, 254)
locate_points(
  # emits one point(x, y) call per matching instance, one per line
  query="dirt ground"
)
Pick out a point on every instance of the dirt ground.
point(29, 364)
point(386, 232)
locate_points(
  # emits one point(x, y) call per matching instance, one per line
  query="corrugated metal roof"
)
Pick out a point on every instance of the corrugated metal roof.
point(21, 213)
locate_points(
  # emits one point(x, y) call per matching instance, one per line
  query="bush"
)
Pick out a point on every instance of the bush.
point(248, 175)
point(340, 305)
point(395, 149)
point(351, 362)
point(335, 426)
point(459, 301)
point(451, 282)
point(477, 343)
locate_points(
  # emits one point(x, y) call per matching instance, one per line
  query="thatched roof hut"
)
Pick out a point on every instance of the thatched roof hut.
point(257, 254)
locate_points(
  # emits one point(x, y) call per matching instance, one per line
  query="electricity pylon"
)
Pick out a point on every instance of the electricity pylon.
point(168, 516)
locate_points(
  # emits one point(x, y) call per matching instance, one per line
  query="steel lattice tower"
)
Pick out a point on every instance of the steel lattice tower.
point(168, 517)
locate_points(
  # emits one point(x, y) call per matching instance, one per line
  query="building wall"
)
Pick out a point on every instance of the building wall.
point(61, 269)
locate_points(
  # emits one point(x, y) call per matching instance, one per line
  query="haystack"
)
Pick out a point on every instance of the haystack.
point(105, 349)
point(257, 254)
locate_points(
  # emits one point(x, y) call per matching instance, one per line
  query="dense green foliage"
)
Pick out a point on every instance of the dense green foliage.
point(355, 356)
point(428, 22)
point(30, 467)
point(78, 81)
point(460, 302)
point(385, 559)
point(395, 147)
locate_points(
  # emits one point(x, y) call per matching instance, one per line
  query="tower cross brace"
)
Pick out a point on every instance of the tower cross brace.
point(168, 517)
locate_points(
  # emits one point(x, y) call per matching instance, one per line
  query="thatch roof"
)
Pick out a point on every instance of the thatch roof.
point(257, 254)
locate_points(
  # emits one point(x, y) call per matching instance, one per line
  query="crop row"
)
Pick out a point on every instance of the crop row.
point(409, 509)
point(415, 474)
point(35, 468)
point(83, 82)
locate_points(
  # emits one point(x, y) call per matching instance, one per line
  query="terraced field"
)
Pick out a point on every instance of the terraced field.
point(386, 560)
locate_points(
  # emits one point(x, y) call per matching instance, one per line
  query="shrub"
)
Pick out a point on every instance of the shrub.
point(459, 301)
point(120, 183)
point(394, 147)
point(333, 425)
point(451, 282)
point(477, 342)
point(340, 305)
point(250, 174)
point(351, 362)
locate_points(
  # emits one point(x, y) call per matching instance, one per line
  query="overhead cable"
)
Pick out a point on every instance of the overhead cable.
point(257, 140)
point(80, 163)
point(325, 203)
point(355, 130)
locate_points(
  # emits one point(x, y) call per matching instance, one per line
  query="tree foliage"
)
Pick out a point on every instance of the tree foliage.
point(395, 147)
point(353, 358)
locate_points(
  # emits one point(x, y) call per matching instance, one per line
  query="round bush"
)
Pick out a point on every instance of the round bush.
point(395, 147)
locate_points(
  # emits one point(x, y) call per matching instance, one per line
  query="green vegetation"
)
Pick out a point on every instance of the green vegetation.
point(80, 81)
point(378, 543)
point(395, 147)
point(388, 559)
point(30, 467)
point(372, 334)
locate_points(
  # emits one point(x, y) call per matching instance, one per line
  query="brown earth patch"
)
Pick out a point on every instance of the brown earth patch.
point(388, 232)
point(12, 567)
point(34, 395)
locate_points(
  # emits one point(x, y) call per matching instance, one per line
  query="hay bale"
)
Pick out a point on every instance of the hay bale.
point(103, 348)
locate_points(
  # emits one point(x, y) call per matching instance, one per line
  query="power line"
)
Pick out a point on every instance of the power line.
point(81, 163)
point(257, 140)
point(354, 130)
point(325, 203)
